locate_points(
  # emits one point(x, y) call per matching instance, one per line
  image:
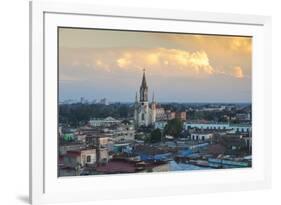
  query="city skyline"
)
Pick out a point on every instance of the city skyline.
point(184, 68)
point(108, 100)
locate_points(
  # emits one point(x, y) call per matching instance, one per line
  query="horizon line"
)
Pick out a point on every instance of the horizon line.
point(157, 102)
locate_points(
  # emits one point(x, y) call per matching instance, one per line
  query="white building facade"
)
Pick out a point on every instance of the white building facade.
point(106, 122)
point(201, 136)
point(244, 128)
point(160, 125)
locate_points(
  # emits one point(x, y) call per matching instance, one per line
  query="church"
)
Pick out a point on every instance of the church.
point(144, 112)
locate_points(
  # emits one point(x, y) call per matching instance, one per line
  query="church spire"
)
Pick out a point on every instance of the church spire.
point(143, 83)
point(143, 89)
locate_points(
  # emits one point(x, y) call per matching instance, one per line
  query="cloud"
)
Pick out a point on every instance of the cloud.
point(160, 54)
point(243, 45)
point(218, 44)
point(158, 61)
point(238, 72)
point(166, 60)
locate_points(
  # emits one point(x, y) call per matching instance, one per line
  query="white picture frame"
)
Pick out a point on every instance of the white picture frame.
point(46, 187)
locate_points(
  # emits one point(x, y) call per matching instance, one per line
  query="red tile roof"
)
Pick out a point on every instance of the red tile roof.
point(117, 167)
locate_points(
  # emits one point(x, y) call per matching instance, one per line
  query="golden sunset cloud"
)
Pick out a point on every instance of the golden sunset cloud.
point(238, 72)
point(182, 55)
point(165, 60)
point(158, 61)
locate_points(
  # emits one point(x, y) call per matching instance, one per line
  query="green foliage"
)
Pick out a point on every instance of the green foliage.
point(123, 111)
point(147, 139)
point(140, 136)
point(173, 127)
point(155, 136)
point(77, 114)
point(127, 122)
point(217, 116)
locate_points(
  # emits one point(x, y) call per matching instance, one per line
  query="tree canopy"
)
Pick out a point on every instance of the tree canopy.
point(77, 114)
point(155, 136)
point(173, 127)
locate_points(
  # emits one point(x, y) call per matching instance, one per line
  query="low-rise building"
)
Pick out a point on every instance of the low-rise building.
point(228, 163)
point(65, 147)
point(243, 116)
point(81, 138)
point(243, 128)
point(79, 158)
point(160, 113)
point(103, 122)
point(160, 125)
point(103, 155)
point(164, 115)
point(201, 136)
point(121, 132)
point(97, 140)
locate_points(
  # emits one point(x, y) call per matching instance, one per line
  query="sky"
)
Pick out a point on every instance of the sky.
point(97, 64)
